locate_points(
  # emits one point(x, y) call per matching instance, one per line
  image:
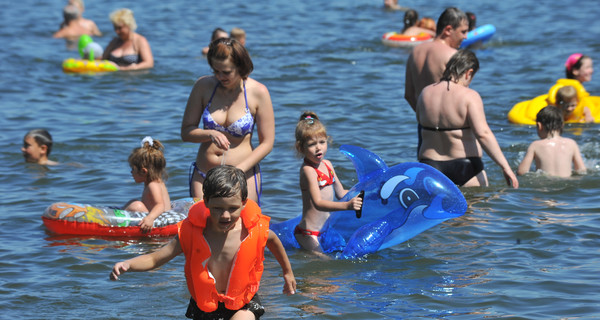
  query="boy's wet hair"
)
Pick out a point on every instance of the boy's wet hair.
point(223, 182)
point(551, 118)
point(42, 137)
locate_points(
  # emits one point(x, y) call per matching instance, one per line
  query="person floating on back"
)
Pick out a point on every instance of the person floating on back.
point(223, 240)
point(148, 165)
point(553, 154)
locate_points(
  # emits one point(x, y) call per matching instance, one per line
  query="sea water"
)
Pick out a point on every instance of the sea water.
point(531, 253)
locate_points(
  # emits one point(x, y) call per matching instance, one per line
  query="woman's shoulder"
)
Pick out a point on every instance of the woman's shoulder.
point(256, 86)
point(207, 81)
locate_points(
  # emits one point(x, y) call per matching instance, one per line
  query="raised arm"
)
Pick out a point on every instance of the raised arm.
point(486, 138)
point(147, 261)
point(277, 249)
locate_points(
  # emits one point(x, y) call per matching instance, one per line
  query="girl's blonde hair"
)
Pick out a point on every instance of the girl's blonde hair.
point(150, 156)
point(123, 17)
point(308, 127)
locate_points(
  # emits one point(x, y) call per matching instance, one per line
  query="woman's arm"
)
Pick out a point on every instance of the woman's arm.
point(109, 48)
point(485, 136)
point(190, 131)
point(265, 124)
point(145, 55)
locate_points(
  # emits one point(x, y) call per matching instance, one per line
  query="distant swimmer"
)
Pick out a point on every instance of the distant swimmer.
point(411, 19)
point(218, 33)
point(37, 145)
point(129, 50)
point(74, 25)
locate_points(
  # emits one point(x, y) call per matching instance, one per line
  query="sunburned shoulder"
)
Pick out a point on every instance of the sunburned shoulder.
point(256, 86)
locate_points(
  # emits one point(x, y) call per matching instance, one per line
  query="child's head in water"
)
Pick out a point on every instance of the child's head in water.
point(148, 161)
point(566, 100)
point(311, 134)
point(549, 122)
point(37, 145)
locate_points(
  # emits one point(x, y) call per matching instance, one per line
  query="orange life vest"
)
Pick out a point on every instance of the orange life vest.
point(247, 269)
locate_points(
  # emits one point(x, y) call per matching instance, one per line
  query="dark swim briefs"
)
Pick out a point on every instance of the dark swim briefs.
point(193, 312)
point(458, 170)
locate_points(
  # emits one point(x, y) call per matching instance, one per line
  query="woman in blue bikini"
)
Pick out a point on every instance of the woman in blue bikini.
point(221, 114)
point(454, 128)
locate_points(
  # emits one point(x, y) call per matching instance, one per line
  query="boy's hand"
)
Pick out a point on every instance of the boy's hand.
point(120, 267)
point(289, 286)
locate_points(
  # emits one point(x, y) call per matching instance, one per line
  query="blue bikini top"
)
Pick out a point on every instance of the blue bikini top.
point(239, 128)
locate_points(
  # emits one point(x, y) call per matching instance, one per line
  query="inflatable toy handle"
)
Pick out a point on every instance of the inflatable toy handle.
point(84, 40)
point(361, 195)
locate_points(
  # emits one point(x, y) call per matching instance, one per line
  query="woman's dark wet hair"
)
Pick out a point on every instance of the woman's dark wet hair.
point(223, 182)
point(551, 118)
point(452, 17)
point(224, 48)
point(459, 63)
point(410, 19)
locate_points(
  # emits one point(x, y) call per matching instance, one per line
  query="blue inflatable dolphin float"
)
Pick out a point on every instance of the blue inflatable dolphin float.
point(398, 203)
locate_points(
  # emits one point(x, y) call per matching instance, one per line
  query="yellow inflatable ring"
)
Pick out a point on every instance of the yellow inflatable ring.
point(525, 112)
point(87, 66)
point(394, 39)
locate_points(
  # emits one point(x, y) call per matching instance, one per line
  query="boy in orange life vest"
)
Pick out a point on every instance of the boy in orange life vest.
point(223, 240)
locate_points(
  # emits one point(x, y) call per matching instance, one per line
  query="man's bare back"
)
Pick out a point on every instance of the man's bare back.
point(425, 65)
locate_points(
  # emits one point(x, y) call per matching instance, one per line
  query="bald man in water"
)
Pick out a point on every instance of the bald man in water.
point(427, 62)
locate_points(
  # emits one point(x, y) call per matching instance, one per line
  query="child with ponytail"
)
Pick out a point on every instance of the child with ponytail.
point(148, 165)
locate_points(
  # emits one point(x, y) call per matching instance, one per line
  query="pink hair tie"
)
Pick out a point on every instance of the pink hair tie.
point(572, 60)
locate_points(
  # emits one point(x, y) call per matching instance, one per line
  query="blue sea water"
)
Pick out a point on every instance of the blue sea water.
point(531, 253)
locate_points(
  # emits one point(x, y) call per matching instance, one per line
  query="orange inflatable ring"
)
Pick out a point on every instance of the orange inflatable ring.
point(394, 39)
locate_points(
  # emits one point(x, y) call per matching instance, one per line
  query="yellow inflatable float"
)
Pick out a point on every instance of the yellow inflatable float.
point(87, 50)
point(88, 66)
point(525, 112)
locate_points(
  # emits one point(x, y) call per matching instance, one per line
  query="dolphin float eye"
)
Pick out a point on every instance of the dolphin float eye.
point(407, 197)
point(389, 186)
